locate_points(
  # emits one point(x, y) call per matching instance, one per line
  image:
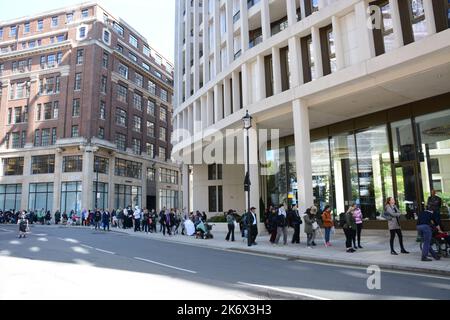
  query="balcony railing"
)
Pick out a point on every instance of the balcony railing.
point(254, 42)
point(236, 16)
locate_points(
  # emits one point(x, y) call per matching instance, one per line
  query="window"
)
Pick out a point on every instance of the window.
point(101, 165)
point(82, 32)
point(1, 33)
point(104, 84)
point(69, 18)
point(162, 134)
point(58, 84)
point(105, 60)
point(120, 48)
point(146, 51)
point(10, 196)
point(151, 174)
point(43, 164)
point(151, 108)
point(76, 108)
point(16, 140)
point(151, 87)
point(40, 25)
point(18, 115)
point(123, 70)
point(136, 146)
point(9, 115)
point(73, 164)
point(45, 137)
point(85, 13)
point(51, 61)
point(162, 153)
point(100, 195)
point(80, 56)
point(163, 114)
point(137, 124)
point(37, 138)
point(121, 117)
point(215, 199)
point(139, 80)
point(101, 133)
point(61, 38)
point(75, 132)
point(118, 28)
point(133, 41)
point(38, 112)
point(71, 196)
point(151, 151)
point(13, 166)
point(41, 196)
point(48, 111)
point(13, 31)
point(215, 172)
point(26, 27)
point(125, 196)
point(122, 93)
point(164, 96)
point(384, 37)
point(106, 37)
point(146, 66)
point(168, 198)
point(54, 22)
point(55, 110)
point(168, 176)
point(77, 81)
point(133, 57)
point(150, 129)
point(309, 67)
point(102, 110)
point(54, 138)
point(25, 114)
point(128, 169)
point(121, 142)
point(137, 101)
point(419, 26)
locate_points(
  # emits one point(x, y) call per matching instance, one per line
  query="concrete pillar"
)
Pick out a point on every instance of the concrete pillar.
point(396, 24)
point(302, 9)
point(429, 17)
point(303, 154)
point(260, 79)
point(197, 117)
point(244, 26)
point(230, 31)
point(185, 186)
point(57, 182)
point(291, 12)
point(210, 108)
point(276, 66)
point(235, 92)
point(88, 180)
point(111, 185)
point(196, 84)
point(190, 113)
point(26, 186)
point(295, 61)
point(188, 48)
point(218, 103)
point(265, 20)
point(227, 97)
point(204, 111)
point(317, 53)
point(217, 38)
point(206, 48)
point(337, 32)
point(366, 46)
point(245, 85)
point(253, 169)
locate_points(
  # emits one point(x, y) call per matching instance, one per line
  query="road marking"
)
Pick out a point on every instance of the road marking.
point(89, 247)
point(104, 251)
point(6, 230)
point(164, 265)
point(284, 291)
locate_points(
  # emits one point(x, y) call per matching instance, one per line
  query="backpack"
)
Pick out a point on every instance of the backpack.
point(342, 220)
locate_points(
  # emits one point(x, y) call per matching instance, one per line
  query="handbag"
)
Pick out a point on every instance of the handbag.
point(315, 226)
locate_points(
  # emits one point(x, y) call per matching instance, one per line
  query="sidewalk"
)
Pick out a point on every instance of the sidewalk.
point(375, 242)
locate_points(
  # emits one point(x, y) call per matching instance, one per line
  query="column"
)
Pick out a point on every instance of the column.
point(337, 32)
point(190, 113)
point(88, 180)
point(265, 19)
point(179, 54)
point(25, 183)
point(206, 77)
point(253, 169)
point(197, 116)
point(303, 154)
point(302, 9)
point(396, 24)
point(260, 79)
point(185, 119)
point(227, 97)
point(235, 92)
point(296, 65)
point(291, 11)
point(276, 66)
point(366, 46)
point(185, 186)
point(57, 181)
point(429, 17)
point(244, 26)
point(188, 49)
point(245, 86)
point(210, 108)
point(218, 103)
point(317, 53)
point(111, 185)
point(196, 46)
point(204, 111)
point(217, 38)
point(230, 31)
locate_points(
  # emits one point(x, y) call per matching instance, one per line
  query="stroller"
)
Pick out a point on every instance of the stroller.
point(203, 231)
point(440, 242)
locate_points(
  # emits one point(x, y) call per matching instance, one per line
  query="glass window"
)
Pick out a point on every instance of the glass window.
point(103, 85)
point(102, 110)
point(75, 131)
point(152, 87)
point(73, 164)
point(85, 13)
point(331, 50)
point(163, 114)
point(128, 169)
point(121, 142)
point(100, 195)
point(26, 27)
point(133, 57)
point(403, 141)
point(321, 171)
point(125, 196)
point(121, 117)
point(150, 129)
point(10, 196)
point(80, 56)
point(276, 177)
point(54, 22)
point(82, 32)
point(168, 198)
point(105, 60)
point(16, 140)
point(164, 96)
point(40, 197)
point(77, 85)
point(133, 41)
point(137, 123)
point(418, 19)
point(13, 166)
point(101, 165)
point(43, 164)
point(123, 70)
point(76, 108)
point(139, 80)
point(151, 108)
point(137, 101)
point(162, 134)
point(122, 93)
point(146, 51)
point(150, 150)
point(136, 146)
point(69, 18)
point(106, 36)
point(162, 153)
point(151, 174)
point(212, 198)
point(118, 28)
point(71, 193)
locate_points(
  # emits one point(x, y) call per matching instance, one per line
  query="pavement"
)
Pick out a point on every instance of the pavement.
point(375, 242)
point(56, 262)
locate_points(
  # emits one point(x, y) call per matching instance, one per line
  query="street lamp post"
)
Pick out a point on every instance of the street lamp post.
point(96, 183)
point(247, 183)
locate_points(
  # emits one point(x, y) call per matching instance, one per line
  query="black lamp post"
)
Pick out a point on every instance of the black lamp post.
point(96, 183)
point(247, 183)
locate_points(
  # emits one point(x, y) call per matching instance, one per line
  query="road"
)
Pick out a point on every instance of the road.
point(73, 263)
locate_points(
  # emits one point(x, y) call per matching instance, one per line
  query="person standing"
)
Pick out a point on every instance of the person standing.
point(434, 204)
point(97, 218)
point(392, 215)
point(145, 221)
point(57, 217)
point(295, 221)
point(310, 219)
point(137, 219)
point(106, 218)
point(357, 214)
point(162, 220)
point(327, 224)
point(273, 215)
point(281, 225)
point(23, 226)
point(349, 229)
point(424, 220)
point(253, 226)
point(230, 221)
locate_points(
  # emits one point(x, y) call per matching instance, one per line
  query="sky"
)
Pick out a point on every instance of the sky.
point(154, 19)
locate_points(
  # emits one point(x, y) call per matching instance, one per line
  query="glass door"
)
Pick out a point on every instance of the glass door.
point(408, 196)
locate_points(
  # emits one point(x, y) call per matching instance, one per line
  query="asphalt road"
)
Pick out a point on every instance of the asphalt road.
point(59, 262)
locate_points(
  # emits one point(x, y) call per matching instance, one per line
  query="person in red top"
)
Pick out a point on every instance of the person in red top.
point(327, 224)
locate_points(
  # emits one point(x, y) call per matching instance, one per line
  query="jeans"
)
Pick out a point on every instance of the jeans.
point(145, 226)
point(279, 231)
point(105, 226)
point(230, 232)
point(426, 234)
point(327, 234)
